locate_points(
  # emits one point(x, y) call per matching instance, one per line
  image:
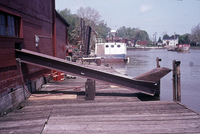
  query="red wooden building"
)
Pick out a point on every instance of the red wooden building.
point(34, 25)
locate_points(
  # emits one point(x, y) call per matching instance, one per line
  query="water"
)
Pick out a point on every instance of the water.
point(142, 61)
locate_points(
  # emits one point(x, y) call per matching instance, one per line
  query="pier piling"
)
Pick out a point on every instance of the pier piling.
point(157, 94)
point(90, 89)
point(176, 81)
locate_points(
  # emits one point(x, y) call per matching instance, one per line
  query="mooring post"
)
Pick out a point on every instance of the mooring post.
point(176, 81)
point(157, 94)
point(90, 89)
point(157, 61)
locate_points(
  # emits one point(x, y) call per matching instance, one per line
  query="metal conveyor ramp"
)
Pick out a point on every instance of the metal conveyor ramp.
point(147, 86)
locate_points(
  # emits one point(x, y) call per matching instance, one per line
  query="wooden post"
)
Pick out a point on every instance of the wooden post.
point(176, 81)
point(90, 89)
point(157, 94)
point(157, 61)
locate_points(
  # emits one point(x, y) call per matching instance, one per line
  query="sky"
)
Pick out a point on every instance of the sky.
point(154, 16)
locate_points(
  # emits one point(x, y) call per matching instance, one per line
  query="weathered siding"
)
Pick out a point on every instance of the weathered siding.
point(36, 18)
point(9, 73)
point(7, 51)
point(60, 38)
point(40, 9)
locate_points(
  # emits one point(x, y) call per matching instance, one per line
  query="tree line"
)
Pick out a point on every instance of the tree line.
point(93, 19)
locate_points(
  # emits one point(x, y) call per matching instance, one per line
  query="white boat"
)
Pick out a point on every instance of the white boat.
point(113, 50)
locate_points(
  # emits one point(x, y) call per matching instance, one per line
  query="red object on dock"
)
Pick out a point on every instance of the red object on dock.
point(58, 76)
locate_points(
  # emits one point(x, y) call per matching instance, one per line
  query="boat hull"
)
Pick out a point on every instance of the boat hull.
point(183, 49)
point(180, 48)
point(114, 58)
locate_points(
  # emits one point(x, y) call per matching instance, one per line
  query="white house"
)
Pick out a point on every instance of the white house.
point(170, 41)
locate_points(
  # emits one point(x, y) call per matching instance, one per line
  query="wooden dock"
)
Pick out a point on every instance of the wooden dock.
point(114, 110)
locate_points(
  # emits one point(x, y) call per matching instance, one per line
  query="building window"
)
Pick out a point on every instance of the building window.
point(107, 46)
point(9, 25)
point(118, 46)
point(2, 25)
point(112, 46)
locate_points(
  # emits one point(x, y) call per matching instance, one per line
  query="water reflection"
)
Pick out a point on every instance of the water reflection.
point(143, 61)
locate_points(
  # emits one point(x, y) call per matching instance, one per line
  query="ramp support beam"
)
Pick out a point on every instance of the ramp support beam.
point(88, 72)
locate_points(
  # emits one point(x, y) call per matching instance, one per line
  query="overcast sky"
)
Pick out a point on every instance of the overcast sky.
point(153, 16)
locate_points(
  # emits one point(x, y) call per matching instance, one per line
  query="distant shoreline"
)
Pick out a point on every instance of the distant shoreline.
point(147, 48)
point(144, 48)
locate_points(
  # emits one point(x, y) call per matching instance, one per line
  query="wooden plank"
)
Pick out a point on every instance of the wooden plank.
point(131, 131)
point(123, 121)
point(164, 104)
point(80, 104)
point(23, 123)
point(8, 63)
point(113, 111)
point(129, 128)
point(25, 116)
point(52, 97)
point(36, 129)
point(73, 104)
point(8, 56)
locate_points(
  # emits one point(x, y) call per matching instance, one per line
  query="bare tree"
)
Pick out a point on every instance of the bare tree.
point(91, 16)
point(195, 34)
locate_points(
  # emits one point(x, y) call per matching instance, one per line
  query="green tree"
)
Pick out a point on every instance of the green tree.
point(134, 34)
point(144, 35)
point(121, 32)
point(184, 39)
point(72, 19)
point(102, 30)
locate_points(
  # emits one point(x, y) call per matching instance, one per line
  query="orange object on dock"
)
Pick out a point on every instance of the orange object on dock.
point(58, 76)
